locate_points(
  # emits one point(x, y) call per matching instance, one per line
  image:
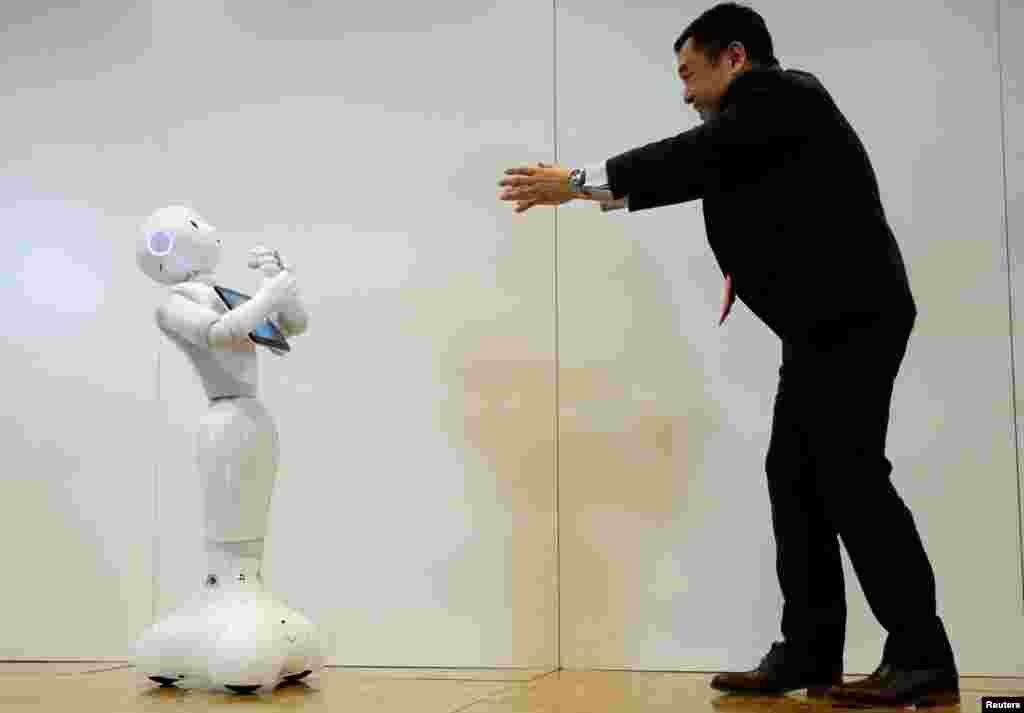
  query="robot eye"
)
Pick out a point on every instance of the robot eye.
point(282, 621)
point(160, 244)
point(194, 224)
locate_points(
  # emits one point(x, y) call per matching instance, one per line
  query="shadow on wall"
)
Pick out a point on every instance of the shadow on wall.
point(631, 430)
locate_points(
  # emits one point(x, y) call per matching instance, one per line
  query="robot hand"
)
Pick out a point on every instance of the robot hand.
point(292, 316)
point(268, 261)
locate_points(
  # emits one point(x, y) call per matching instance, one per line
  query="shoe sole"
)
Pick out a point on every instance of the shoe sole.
point(933, 700)
point(812, 691)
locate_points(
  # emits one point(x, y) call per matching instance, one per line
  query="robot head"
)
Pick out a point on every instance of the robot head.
point(176, 245)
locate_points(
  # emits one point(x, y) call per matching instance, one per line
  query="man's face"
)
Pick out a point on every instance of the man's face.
point(704, 83)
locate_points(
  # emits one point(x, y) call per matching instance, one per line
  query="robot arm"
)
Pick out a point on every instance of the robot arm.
point(186, 319)
point(293, 319)
point(277, 292)
point(201, 326)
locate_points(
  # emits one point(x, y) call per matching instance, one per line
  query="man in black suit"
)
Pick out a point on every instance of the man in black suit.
point(796, 224)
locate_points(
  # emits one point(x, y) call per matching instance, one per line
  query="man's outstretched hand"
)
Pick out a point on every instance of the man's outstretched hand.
point(543, 184)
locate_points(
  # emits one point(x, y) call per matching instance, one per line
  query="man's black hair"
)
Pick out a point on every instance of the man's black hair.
point(724, 24)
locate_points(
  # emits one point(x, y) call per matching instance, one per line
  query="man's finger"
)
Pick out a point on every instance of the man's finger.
point(526, 193)
point(531, 180)
point(520, 171)
point(524, 205)
point(520, 193)
point(521, 181)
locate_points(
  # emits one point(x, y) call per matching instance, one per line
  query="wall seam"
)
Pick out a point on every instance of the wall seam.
point(1009, 291)
point(558, 363)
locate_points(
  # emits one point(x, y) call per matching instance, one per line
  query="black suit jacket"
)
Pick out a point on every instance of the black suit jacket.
point(791, 203)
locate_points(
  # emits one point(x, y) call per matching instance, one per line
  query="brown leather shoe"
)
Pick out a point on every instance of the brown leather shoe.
point(889, 686)
point(868, 682)
point(780, 672)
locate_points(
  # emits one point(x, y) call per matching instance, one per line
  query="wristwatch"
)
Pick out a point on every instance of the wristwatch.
point(577, 179)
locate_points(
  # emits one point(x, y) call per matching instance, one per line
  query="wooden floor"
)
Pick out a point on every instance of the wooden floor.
point(108, 688)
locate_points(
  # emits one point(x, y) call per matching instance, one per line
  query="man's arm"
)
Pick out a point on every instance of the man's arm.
point(680, 168)
point(762, 113)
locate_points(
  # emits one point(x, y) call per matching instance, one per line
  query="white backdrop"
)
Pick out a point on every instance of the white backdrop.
point(415, 515)
point(81, 140)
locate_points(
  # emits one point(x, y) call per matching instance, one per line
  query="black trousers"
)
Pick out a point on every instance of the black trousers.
point(828, 480)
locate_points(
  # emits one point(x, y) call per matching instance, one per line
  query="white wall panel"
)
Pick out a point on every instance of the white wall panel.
point(76, 496)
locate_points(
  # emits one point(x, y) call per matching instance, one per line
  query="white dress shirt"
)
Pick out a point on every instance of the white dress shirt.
point(597, 184)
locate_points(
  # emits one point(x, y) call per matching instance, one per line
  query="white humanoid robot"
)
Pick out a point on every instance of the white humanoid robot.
point(231, 633)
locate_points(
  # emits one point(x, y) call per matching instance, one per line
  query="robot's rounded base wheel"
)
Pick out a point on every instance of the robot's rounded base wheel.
point(296, 677)
point(165, 681)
